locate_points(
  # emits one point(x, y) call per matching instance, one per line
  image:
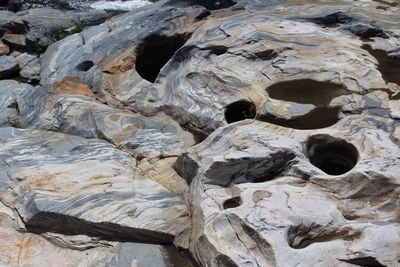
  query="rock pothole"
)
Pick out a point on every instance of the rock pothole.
point(85, 65)
point(154, 52)
point(233, 202)
point(331, 155)
point(240, 110)
point(306, 91)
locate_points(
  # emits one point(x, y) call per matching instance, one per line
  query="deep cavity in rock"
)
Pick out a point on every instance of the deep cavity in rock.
point(232, 203)
point(306, 91)
point(240, 110)
point(85, 65)
point(333, 156)
point(154, 52)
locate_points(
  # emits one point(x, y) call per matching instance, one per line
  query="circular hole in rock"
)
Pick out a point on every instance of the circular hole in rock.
point(85, 65)
point(240, 110)
point(333, 156)
point(232, 203)
point(154, 52)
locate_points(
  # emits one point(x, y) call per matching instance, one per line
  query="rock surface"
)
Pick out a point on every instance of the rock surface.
point(8, 66)
point(246, 133)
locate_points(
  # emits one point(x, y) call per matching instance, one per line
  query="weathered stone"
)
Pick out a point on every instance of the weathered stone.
point(15, 41)
point(86, 187)
point(302, 197)
point(19, 248)
point(31, 71)
point(38, 28)
point(9, 111)
point(294, 106)
point(204, 75)
point(8, 66)
point(25, 58)
point(4, 49)
point(74, 110)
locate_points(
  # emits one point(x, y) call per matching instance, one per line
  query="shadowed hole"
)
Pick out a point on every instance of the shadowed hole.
point(240, 110)
point(333, 156)
point(232, 203)
point(320, 117)
point(85, 65)
point(365, 262)
point(154, 52)
point(218, 50)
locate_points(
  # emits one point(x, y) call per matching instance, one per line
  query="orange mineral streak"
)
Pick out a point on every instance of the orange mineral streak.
point(72, 86)
point(117, 67)
point(115, 117)
point(120, 62)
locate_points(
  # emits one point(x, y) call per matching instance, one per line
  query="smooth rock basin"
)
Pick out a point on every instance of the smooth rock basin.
point(333, 156)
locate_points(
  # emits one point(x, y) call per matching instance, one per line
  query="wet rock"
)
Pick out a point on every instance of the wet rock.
point(8, 66)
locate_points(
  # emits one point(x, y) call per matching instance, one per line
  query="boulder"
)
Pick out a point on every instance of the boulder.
point(9, 110)
point(8, 66)
point(31, 71)
point(15, 41)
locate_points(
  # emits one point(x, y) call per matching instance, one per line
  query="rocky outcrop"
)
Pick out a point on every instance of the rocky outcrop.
point(247, 133)
point(265, 195)
point(70, 107)
point(67, 192)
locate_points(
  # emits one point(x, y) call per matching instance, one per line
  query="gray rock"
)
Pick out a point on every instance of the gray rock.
point(294, 106)
point(8, 66)
point(26, 58)
point(9, 110)
point(70, 107)
point(86, 186)
point(278, 198)
point(39, 27)
point(15, 41)
point(31, 71)
point(24, 248)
